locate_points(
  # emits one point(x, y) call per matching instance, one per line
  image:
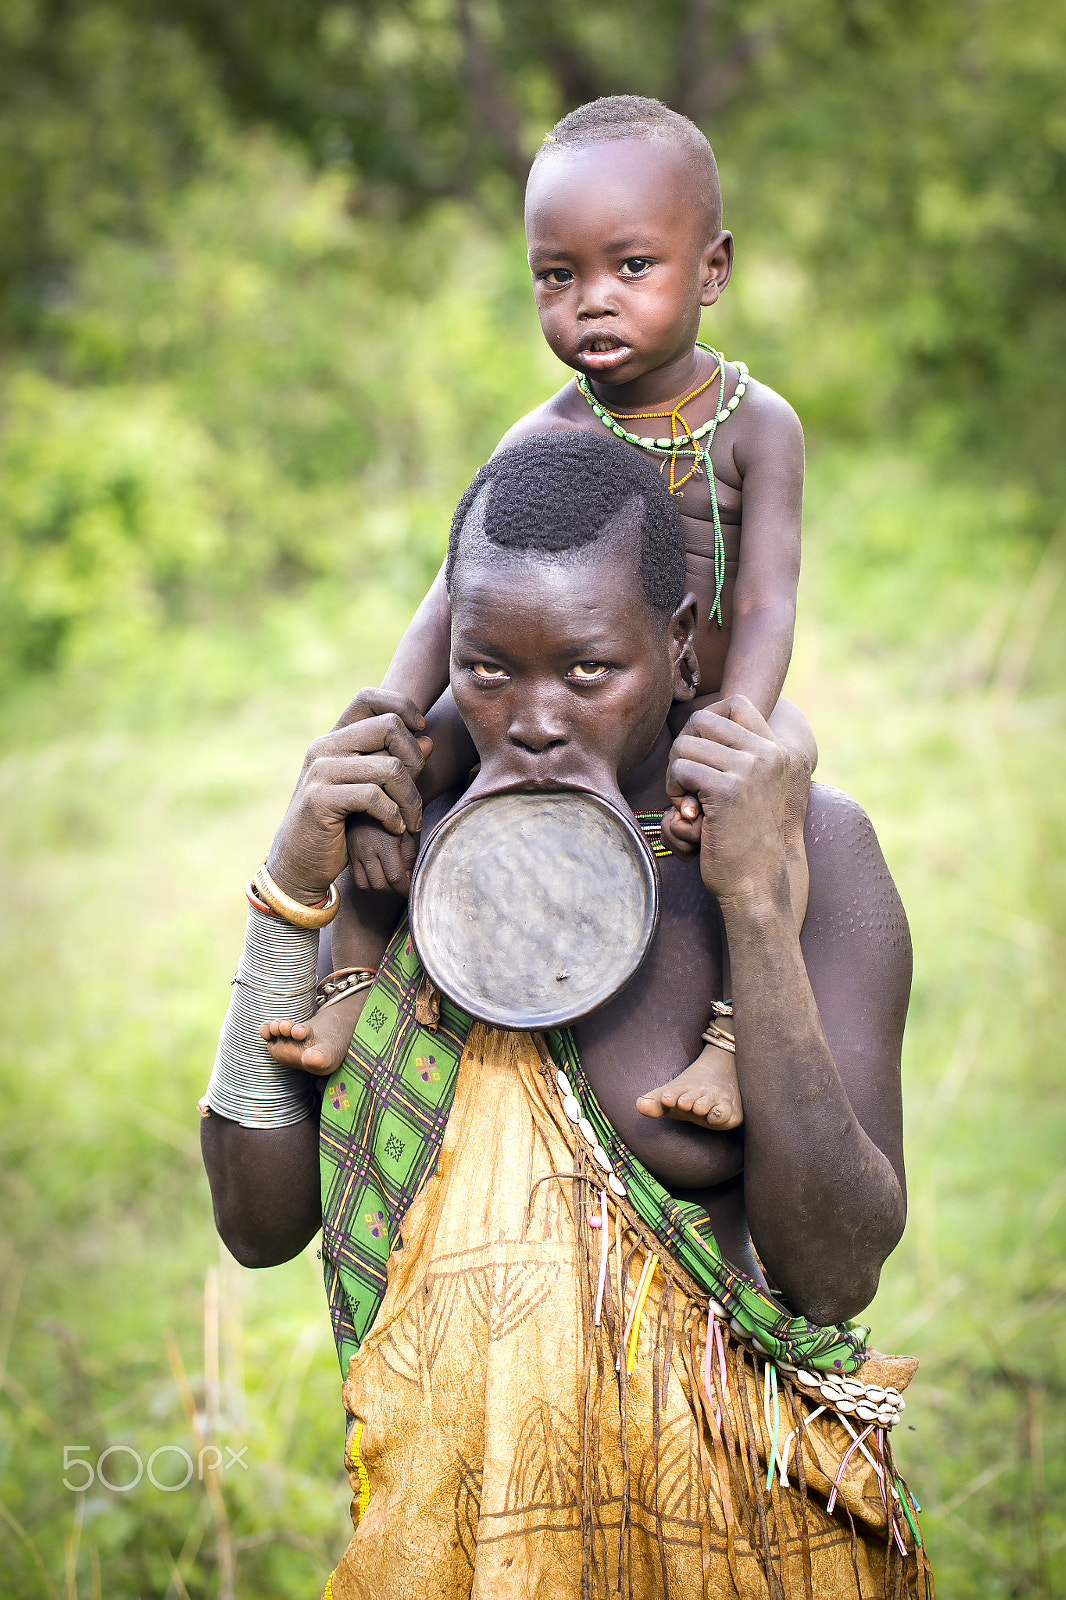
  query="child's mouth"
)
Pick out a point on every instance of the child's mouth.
point(600, 352)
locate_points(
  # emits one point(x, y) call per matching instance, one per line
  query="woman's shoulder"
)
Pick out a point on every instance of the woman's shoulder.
point(853, 895)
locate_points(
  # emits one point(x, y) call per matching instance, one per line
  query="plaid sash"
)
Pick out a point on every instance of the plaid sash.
point(384, 1113)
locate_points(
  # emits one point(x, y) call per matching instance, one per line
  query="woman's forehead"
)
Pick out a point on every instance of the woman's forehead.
point(566, 595)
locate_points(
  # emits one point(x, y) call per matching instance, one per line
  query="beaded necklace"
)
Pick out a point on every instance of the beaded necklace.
point(684, 441)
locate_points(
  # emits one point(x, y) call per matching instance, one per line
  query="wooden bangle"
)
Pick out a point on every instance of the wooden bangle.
point(292, 911)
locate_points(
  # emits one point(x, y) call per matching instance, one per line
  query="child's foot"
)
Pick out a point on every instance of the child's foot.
point(320, 1045)
point(706, 1093)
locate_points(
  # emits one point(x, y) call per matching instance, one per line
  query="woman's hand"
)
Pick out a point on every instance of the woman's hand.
point(366, 766)
point(728, 777)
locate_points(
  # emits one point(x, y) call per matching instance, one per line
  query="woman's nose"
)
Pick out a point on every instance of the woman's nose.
point(538, 727)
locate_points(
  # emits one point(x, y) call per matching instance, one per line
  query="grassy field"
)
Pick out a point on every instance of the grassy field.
point(134, 808)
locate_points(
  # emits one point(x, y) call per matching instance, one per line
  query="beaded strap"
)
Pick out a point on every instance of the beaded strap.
point(650, 824)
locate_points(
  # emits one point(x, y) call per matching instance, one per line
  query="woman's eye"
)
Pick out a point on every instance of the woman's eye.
point(585, 670)
point(483, 669)
point(634, 266)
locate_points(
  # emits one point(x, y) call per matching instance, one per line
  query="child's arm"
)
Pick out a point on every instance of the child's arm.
point(768, 454)
point(419, 668)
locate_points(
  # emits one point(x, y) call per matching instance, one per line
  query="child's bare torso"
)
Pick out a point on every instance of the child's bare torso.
point(568, 408)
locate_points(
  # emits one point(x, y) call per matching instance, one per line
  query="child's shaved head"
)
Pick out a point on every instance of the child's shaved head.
point(631, 116)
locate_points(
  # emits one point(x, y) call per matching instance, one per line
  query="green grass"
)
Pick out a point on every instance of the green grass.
point(136, 797)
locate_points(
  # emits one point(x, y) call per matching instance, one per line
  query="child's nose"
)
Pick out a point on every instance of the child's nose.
point(597, 299)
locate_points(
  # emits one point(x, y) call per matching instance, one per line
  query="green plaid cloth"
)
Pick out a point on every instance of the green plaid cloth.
point(383, 1119)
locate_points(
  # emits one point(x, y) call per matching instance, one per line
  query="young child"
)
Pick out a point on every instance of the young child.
point(623, 220)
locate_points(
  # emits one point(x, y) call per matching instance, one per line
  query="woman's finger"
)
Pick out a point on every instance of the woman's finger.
point(369, 799)
point(371, 702)
point(367, 738)
point(388, 772)
point(727, 758)
point(739, 709)
point(714, 728)
point(696, 777)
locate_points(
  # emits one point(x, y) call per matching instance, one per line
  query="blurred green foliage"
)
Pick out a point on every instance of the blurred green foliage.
point(895, 173)
point(264, 310)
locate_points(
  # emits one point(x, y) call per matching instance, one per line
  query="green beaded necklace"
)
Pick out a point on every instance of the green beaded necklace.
point(694, 448)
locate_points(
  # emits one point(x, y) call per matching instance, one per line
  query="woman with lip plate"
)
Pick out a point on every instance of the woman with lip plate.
point(588, 1350)
point(623, 217)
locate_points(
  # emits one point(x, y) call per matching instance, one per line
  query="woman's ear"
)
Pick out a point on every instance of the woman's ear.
point(683, 625)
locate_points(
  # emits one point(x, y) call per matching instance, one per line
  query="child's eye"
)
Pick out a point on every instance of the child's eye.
point(585, 671)
point(485, 670)
point(635, 265)
point(557, 276)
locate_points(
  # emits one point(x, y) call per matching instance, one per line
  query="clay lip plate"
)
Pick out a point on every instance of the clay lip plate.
point(531, 909)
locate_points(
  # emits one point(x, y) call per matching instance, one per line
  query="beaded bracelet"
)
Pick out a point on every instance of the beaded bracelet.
point(340, 984)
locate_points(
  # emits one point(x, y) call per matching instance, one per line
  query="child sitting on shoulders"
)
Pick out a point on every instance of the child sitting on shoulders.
point(623, 220)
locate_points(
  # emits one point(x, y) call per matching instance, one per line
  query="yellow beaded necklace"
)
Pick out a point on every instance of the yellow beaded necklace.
point(680, 432)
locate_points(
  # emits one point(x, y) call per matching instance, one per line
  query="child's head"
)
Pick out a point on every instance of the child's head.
point(570, 632)
point(624, 226)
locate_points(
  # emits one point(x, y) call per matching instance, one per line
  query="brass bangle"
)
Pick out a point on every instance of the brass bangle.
point(718, 1037)
point(290, 910)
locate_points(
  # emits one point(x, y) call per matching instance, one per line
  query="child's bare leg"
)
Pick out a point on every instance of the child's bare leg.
point(358, 936)
point(320, 1045)
point(706, 1093)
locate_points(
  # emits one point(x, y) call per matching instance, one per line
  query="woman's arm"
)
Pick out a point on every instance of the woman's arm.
point(264, 1188)
point(818, 1028)
point(264, 1180)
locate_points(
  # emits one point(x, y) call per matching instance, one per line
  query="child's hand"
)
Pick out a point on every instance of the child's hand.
point(379, 859)
point(683, 826)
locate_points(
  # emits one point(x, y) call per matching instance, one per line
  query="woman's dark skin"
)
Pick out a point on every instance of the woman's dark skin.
point(568, 677)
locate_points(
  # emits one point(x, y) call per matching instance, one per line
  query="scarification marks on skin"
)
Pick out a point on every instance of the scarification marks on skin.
point(875, 909)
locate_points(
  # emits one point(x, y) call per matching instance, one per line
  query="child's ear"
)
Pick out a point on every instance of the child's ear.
point(683, 625)
point(716, 265)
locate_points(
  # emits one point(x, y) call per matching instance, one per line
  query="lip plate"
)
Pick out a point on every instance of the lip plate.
point(529, 909)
